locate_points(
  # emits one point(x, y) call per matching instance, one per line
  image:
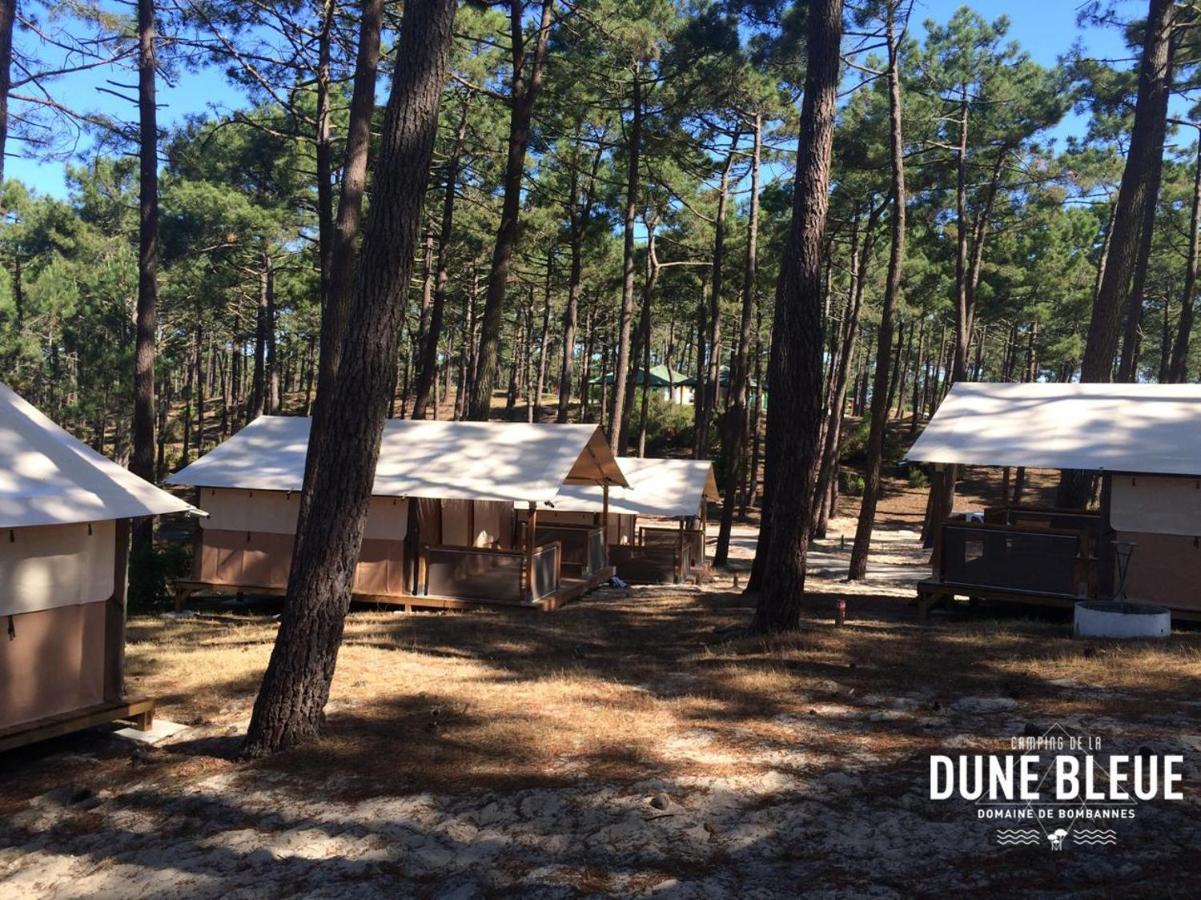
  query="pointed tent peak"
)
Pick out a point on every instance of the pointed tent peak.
point(661, 488)
point(512, 461)
point(1137, 428)
point(48, 477)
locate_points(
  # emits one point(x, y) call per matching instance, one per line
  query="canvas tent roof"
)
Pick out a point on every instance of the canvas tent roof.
point(663, 488)
point(48, 477)
point(1138, 428)
point(448, 460)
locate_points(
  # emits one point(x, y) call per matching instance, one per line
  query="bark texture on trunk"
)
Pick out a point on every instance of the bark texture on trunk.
point(1134, 194)
point(8, 12)
point(796, 357)
point(345, 234)
point(892, 295)
point(427, 369)
point(617, 412)
point(736, 419)
point(291, 702)
point(142, 460)
point(527, 83)
point(1178, 367)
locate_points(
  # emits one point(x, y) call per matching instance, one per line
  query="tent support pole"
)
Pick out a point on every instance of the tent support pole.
point(530, 541)
point(114, 619)
point(605, 512)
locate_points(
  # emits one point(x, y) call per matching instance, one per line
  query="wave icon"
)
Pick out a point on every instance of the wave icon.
point(1095, 837)
point(1013, 837)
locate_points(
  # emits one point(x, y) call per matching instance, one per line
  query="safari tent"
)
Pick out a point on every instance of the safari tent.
point(669, 495)
point(442, 529)
point(65, 511)
point(1143, 441)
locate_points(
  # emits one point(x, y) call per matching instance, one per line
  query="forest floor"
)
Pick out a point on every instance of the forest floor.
point(637, 742)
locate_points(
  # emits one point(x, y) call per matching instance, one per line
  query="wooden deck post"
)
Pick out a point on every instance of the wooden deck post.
point(530, 543)
point(114, 618)
point(680, 553)
point(605, 511)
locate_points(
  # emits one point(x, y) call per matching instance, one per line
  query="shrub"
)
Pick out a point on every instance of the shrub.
point(853, 484)
point(918, 477)
point(151, 572)
point(669, 426)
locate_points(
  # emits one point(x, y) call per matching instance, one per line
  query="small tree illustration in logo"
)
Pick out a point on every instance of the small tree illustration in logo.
point(1056, 838)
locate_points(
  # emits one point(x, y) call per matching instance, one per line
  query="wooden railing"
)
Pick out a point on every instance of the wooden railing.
point(1028, 560)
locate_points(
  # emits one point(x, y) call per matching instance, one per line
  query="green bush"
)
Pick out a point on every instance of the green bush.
point(918, 477)
point(669, 426)
point(151, 572)
point(853, 484)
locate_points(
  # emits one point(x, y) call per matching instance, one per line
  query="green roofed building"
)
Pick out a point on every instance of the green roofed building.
point(672, 386)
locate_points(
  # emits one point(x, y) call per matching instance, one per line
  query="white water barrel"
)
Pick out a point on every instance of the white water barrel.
point(1110, 619)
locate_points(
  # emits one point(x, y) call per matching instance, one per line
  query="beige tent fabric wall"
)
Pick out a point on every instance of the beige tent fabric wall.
point(262, 560)
point(1156, 504)
point(387, 519)
point(48, 566)
point(275, 512)
point(55, 664)
point(456, 522)
point(1164, 569)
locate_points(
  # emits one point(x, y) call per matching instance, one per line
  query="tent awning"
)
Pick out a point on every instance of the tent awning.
point(661, 488)
point(48, 477)
point(1138, 428)
point(448, 460)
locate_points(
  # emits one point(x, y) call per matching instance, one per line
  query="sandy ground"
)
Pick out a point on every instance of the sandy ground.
point(638, 742)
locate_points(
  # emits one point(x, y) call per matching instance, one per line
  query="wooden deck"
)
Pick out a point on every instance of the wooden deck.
point(931, 593)
point(569, 589)
point(140, 713)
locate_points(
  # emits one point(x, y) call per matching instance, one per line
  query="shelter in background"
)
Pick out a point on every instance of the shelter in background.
point(1144, 443)
point(723, 388)
point(65, 510)
point(667, 383)
point(659, 490)
point(441, 530)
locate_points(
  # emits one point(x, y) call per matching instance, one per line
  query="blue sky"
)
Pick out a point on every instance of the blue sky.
point(1046, 29)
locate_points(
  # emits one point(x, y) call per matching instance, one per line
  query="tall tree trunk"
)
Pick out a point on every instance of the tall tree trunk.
point(291, 702)
point(713, 378)
point(736, 419)
point(625, 322)
point(427, 369)
point(545, 337)
point(963, 323)
point(892, 295)
point(795, 373)
point(345, 234)
point(1178, 368)
point(272, 372)
point(527, 82)
point(323, 150)
point(258, 403)
point(142, 460)
point(827, 476)
point(580, 216)
point(8, 12)
point(1143, 161)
